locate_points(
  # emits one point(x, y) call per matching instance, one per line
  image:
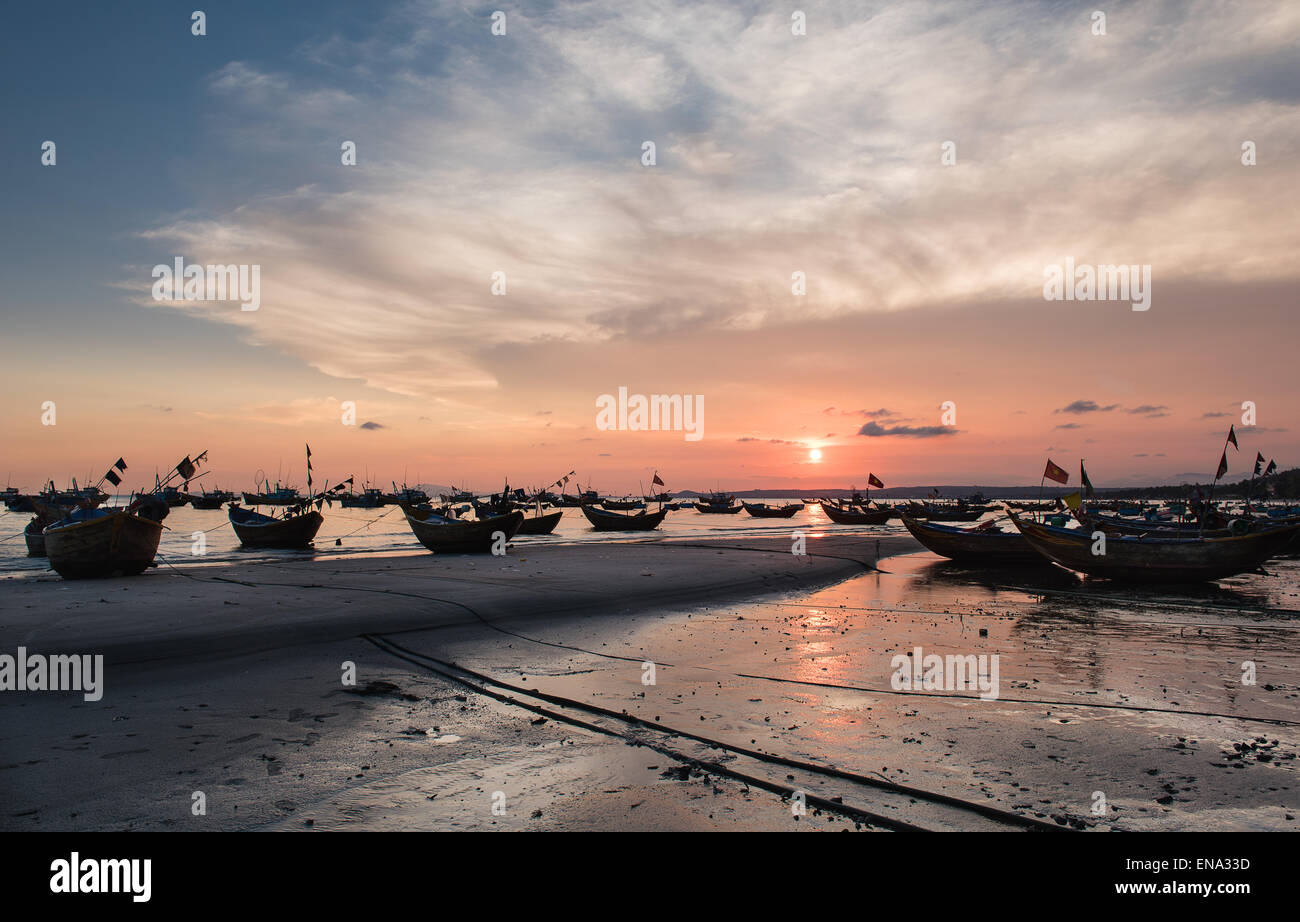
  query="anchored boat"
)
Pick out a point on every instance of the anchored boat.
point(981, 545)
point(1156, 559)
point(445, 535)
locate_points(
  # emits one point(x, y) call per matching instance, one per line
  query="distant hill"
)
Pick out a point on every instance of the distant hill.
point(1282, 485)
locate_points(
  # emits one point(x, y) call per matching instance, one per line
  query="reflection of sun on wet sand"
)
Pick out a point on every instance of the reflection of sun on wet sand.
point(506, 693)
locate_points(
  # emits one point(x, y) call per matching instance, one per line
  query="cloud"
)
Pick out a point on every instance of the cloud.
point(1149, 410)
point(1086, 406)
point(370, 424)
point(1069, 426)
point(1215, 415)
point(522, 156)
point(875, 430)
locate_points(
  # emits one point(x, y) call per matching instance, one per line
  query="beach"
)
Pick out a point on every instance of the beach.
point(693, 683)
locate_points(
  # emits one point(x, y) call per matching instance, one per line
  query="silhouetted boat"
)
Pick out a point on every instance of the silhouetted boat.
point(764, 511)
point(988, 546)
point(369, 498)
point(605, 520)
point(211, 500)
point(541, 524)
point(444, 535)
point(856, 515)
point(718, 504)
point(1151, 559)
point(257, 530)
point(34, 534)
point(280, 496)
point(621, 504)
point(937, 512)
point(96, 543)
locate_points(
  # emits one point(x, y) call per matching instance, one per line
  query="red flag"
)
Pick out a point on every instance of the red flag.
point(656, 481)
point(185, 468)
point(874, 481)
point(1223, 465)
point(1053, 472)
point(1232, 437)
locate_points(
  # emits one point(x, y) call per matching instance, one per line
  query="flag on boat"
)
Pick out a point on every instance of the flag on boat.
point(1232, 437)
point(1088, 491)
point(1074, 501)
point(308, 469)
point(656, 481)
point(120, 464)
point(112, 477)
point(1259, 460)
point(874, 481)
point(1272, 466)
point(185, 468)
point(1223, 465)
point(1055, 472)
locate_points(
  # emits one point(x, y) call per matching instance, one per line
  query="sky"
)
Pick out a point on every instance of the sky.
point(775, 153)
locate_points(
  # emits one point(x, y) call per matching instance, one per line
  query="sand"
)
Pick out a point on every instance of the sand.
point(227, 681)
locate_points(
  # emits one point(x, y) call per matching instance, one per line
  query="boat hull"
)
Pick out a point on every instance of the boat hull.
point(760, 511)
point(254, 530)
point(540, 524)
point(616, 521)
point(34, 533)
point(117, 544)
point(452, 537)
point(841, 516)
point(1146, 559)
point(990, 548)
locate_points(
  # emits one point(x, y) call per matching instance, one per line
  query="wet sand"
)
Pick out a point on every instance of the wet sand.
point(233, 689)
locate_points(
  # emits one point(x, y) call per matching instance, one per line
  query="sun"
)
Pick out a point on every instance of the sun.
point(815, 455)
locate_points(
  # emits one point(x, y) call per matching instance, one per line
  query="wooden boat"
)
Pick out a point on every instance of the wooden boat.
point(623, 504)
point(257, 530)
point(718, 504)
point(214, 500)
point(764, 511)
point(605, 520)
point(444, 535)
point(91, 544)
point(856, 515)
point(988, 546)
point(958, 512)
point(541, 524)
point(368, 498)
point(1157, 559)
point(34, 534)
point(280, 496)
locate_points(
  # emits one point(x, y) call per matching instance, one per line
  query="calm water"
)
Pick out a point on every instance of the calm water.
point(384, 531)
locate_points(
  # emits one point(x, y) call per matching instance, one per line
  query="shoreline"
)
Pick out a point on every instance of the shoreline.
point(253, 659)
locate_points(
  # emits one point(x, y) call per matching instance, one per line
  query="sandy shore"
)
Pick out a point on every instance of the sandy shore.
point(768, 669)
point(227, 680)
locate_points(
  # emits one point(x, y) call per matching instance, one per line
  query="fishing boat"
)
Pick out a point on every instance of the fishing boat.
point(97, 543)
point(211, 500)
point(294, 530)
point(623, 504)
point(983, 544)
point(543, 523)
point(405, 496)
point(368, 498)
point(856, 515)
point(718, 504)
point(607, 520)
point(764, 511)
point(936, 512)
point(34, 535)
point(280, 496)
point(445, 535)
point(1157, 559)
point(585, 498)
